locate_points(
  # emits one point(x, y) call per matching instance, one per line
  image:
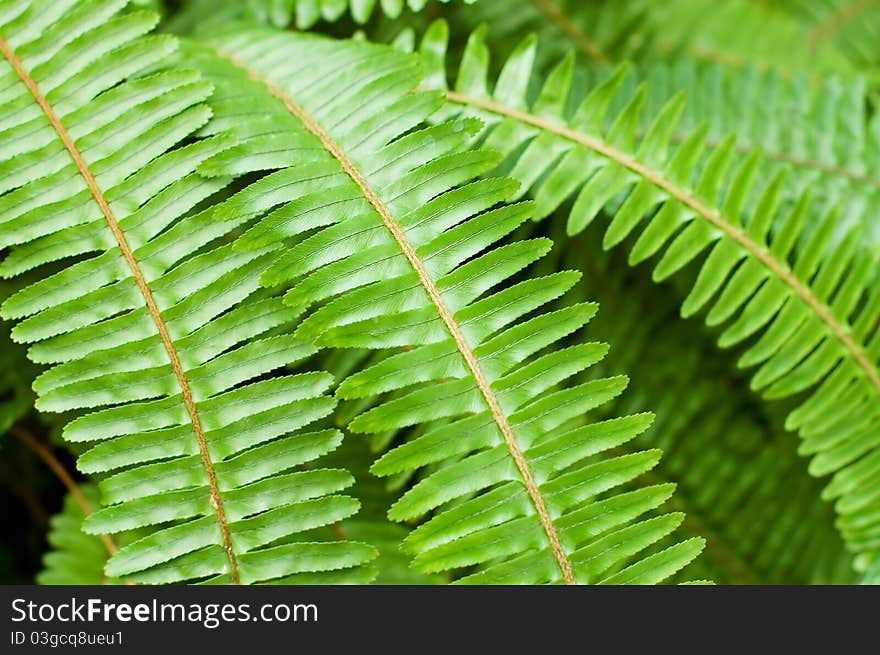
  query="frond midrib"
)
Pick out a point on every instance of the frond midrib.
point(716, 219)
point(430, 287)
point(144, 288)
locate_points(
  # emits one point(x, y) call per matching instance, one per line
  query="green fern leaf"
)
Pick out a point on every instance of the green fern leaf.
point(809, 302)
point(397, 248)
point(152, 313)
point(75, 558)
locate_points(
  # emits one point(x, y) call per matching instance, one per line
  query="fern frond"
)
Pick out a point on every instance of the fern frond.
point(806, 299)
point(75, 558)
point(151, 312)
point(819, 131)
point(390, 236)
point(600, 32)
point(733, 33)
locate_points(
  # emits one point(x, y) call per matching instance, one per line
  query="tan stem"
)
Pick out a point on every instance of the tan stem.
point(842, 333)
point(51, 461)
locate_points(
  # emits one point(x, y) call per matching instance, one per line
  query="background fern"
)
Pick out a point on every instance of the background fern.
point(740, 481)
point(853, 27)
point(75, 558)
point(821, 133)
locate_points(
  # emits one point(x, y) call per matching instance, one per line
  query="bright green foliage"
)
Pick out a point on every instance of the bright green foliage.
point(232, 500)
point(807, 303)
point(404, 259)
point(209, 239)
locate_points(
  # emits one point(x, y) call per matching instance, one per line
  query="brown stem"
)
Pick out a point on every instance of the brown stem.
point(49, 458)
point(577, 36)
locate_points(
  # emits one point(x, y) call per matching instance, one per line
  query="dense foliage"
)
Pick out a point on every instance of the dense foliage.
point(417, 292)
